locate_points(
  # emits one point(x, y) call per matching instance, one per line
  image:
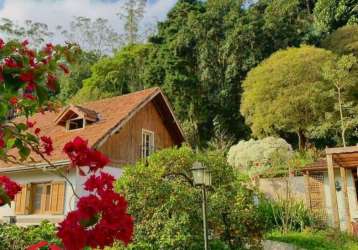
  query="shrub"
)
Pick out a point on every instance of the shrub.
point(167, 208)
point(287, 215)
point(18, 238)
point(257, 156)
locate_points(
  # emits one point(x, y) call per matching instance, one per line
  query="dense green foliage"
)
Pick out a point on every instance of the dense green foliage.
point(202, 52)
point(287, 93)
point(19, 238)
point(316, 240)
point(116, 75)
point(167, 207)
point(343, 40)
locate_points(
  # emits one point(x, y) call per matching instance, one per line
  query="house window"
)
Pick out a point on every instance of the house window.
point(41, 198)
point(147, 143)
point(76, 123)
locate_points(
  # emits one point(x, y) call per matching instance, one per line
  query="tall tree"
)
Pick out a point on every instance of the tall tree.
point(287, 93)
point(343, 75)
point(96, 36)
point(36, 32)
point(132, 13)
point(116, 75)
point(332, 14)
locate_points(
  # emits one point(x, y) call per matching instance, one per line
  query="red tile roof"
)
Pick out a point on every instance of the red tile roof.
point(111, 112)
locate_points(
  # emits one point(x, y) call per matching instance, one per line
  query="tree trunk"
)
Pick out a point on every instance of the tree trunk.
point(343, 129)
point(302, 140)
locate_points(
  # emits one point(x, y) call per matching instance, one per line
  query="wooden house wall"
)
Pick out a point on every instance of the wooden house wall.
point(125, 146)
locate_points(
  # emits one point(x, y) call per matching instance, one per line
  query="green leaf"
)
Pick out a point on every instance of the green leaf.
point(10, 143)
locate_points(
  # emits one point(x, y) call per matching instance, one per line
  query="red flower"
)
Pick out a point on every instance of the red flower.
point(25, 43)
point(2, 142)
point(64, 68)
point(31, 86)
point(30, 124)
point(81, 155)
point(29, 96)
point(51, 82)
point(10, 187)
point(43, 244)
point(37, 131)
point(27, 76)
point(1, 74)
point(2, 43)
point(47, 144)
point(11, 63)
point(100, 219)
point(13, 100)
point(48, 48)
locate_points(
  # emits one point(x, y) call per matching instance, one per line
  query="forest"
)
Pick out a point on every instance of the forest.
point(231, 69)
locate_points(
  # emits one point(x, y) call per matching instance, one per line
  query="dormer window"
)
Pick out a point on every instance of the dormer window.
point(76, 117)
point(76, 123)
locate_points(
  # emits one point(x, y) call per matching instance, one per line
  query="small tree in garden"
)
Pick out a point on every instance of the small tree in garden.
point(28, 80)
point(166, 205)
point(254, 157)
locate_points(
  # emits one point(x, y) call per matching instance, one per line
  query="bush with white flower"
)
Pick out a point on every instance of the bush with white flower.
point(254, 157)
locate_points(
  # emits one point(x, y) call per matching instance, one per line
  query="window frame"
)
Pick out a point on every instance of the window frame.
point(145, 152)
point(74, 119)
point(44, 198)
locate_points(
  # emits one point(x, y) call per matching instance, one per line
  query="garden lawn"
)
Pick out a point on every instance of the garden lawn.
point(316, 240)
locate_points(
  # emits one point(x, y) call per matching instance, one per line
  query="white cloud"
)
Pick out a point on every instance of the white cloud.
point(60, 12)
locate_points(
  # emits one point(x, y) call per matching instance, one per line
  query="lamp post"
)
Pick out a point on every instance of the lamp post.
point(202, 178)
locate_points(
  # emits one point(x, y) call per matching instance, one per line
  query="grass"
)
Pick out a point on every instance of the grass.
point(316, 240)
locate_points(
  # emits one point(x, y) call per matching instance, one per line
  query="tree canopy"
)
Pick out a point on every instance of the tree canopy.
point(287, 92)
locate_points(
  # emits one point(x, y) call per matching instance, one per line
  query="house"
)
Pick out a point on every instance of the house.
point(331, 188)
point(126, 128)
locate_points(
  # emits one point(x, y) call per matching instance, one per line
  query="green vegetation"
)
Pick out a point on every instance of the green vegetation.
point(19, 238)
point(167, 207)
point(316, 240)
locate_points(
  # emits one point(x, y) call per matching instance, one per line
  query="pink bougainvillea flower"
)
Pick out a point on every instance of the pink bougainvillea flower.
point(100, 218)
point(37, 131)
point(11, 63)
point(83, 156)
point(2, 43)
point(46, 144)
point(2, 142)
point(64, 68)
point(25, 43)
point(13, 100)
point(30, 124)
point(42, 244)
point(29, 96)
point(51, 82)
point(10, 187)
point(27, 76)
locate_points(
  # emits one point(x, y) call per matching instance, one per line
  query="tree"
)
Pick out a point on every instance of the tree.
point(343, 40)
point(343, 75)
point(332, 14)
point(96, 36)
point(287, 93)
point(132, 13)
point(117, 75)
point(166, 205)
point(36, 32)
point(70, 84)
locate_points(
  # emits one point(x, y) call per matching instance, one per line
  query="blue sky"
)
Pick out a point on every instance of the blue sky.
point(60, 12)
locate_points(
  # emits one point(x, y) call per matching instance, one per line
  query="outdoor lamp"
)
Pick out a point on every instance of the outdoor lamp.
point(202, 178)
point(201, 175)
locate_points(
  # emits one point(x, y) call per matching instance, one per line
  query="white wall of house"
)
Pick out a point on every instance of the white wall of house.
point(38, 176)
point(352, 197)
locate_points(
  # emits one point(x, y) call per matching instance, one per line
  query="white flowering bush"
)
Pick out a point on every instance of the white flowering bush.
point(257, 156)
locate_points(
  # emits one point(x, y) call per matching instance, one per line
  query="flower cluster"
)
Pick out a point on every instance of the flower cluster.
point(43, 245)
point(83, 156)
point(100, 219)
point(8, 190)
